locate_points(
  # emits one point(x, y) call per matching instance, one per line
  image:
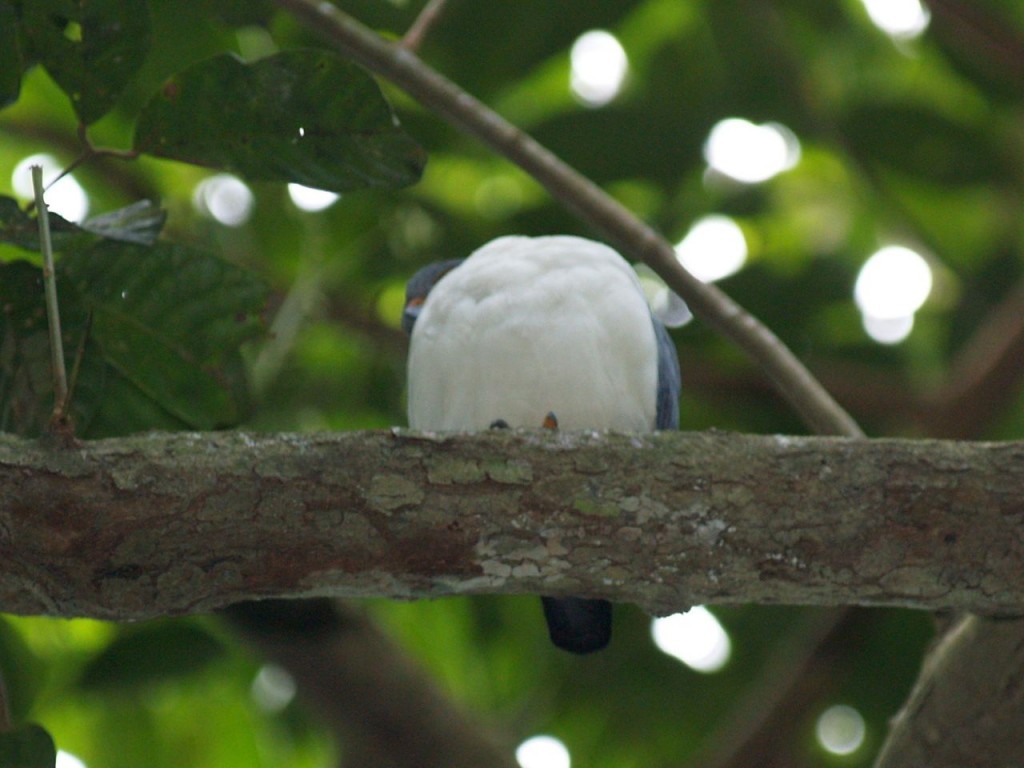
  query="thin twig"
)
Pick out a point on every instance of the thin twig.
point(585, 199)
point(60, 377)
point(424, 22)
point(89, 152)
point(86, 153)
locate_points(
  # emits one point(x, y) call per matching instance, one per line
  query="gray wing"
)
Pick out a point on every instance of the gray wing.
point(669, 379)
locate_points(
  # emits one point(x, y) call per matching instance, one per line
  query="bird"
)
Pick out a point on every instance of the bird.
point(534, 331)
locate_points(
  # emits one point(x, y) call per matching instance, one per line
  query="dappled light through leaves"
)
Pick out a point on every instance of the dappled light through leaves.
point(847, 172)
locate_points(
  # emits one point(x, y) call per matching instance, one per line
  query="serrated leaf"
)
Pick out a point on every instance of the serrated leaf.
point(140, 223)
point(303, 116)
point(170, 320)
point(91, 48)
point(28, 746)
point(10, 55)
point(151, 654)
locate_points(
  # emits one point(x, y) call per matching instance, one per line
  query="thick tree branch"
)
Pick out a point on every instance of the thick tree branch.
point(168, 524)
point(584, 198)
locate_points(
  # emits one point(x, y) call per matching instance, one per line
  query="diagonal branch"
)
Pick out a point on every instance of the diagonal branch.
point(585, 199)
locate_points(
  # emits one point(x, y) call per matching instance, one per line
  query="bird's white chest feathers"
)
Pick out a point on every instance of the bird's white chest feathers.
point(530, 325)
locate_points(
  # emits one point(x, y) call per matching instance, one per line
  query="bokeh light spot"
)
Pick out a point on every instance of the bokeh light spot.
point(887, 330)
point(65, 198)
point(225, 198)
point(900, 19)
point(840, 730)
point(696, 638)
point(273, 688)
point(894, 282)
point(543, 752)
point(67, 760)
point(713, 248)
point(598, 67)
point(751, 153)
point(310, 199)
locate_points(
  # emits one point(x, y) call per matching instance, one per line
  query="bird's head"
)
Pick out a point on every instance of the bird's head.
point(419, 286)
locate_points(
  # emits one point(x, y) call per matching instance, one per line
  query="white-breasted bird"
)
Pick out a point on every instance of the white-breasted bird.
point(525, 327)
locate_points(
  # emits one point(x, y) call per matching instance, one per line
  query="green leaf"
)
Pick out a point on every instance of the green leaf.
point(26, 388)
point(302, 116)
point(28, 746)
point(91, 48)
point(170, 320)
point(139, 223)
point(10, 55)
point(150, 654)
point(20, 229)
point(121, 408)
point(162, 350)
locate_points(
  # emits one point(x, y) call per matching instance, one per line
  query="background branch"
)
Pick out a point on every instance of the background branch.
point(965, 708)
point(386, 710)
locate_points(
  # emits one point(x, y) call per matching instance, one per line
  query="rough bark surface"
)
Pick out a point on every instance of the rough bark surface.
point(166, 524)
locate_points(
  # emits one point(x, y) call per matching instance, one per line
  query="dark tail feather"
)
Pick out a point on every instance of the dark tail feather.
point(578, 625)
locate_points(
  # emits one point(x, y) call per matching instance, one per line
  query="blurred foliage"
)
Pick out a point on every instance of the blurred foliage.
point(909, 141)
point(301, 116)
